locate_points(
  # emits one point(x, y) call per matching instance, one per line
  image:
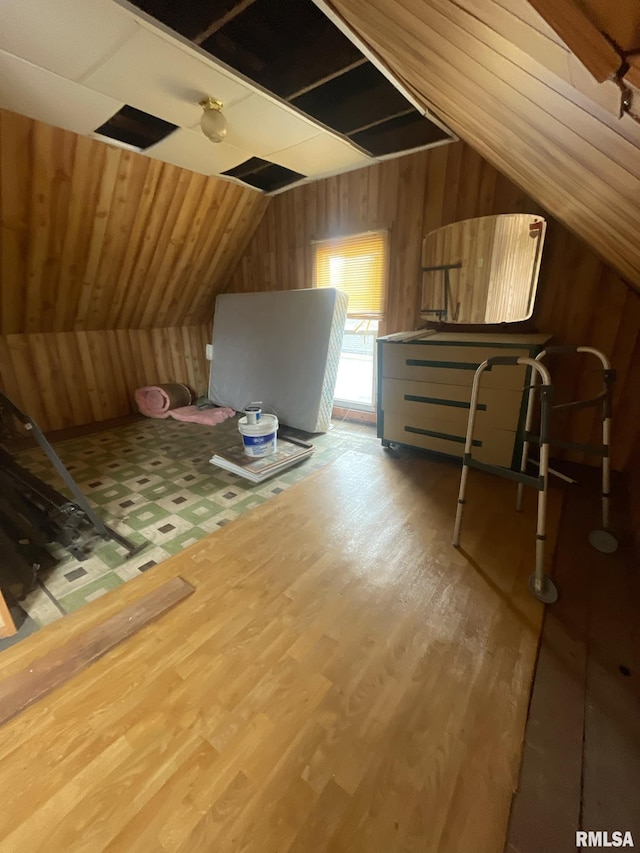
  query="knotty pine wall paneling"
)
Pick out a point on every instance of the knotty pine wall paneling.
point(581, 300)
point(64, 379)
point(110, 263)
point(634, 497)
point(95, 237)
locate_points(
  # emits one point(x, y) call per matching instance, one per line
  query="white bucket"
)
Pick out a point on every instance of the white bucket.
point(259, 439)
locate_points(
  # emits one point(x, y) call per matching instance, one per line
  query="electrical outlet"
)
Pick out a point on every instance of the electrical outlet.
point(209, 352)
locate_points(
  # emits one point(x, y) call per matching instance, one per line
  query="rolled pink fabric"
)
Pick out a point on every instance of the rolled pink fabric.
point(156, 401)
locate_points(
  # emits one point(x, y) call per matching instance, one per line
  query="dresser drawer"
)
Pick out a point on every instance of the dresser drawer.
point(491, 445)
point(451, 365)
point(422, 402)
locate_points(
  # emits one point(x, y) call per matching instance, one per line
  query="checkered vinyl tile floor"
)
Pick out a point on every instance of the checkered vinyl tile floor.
point(152, 482)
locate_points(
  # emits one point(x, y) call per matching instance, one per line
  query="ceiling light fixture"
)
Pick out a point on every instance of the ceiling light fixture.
point(213, 123)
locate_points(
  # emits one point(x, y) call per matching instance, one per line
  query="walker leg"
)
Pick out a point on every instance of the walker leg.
point(468, 444)
point(540, 584)
point(460, 510)
point(603, 540)
point(520, 491)
point(527, 428)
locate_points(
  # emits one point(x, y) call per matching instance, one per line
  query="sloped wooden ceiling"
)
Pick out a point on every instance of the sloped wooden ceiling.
point(504, 81)
point(94, 237)
point(605, 36)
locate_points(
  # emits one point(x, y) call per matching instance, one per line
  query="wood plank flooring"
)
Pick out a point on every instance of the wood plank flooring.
point(341, 679)
point(581, 760)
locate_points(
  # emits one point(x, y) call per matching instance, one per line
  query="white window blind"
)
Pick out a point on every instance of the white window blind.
point(357, 265)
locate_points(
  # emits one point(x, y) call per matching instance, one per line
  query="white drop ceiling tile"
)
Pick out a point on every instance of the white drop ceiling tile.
point(163, 79)
point(320, 155)
point(41, 95)
point(258, 124)
point(67, 37)
point(190, 149)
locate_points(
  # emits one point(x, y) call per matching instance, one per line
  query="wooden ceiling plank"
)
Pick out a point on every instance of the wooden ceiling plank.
point(153, 293)
point(579, 85)
point(203, 304)
point(176, 302)
point(162, 311)
point(62, 155)
point(96, 233)
point(581, 35)
point(580, 196)
point(85, 180)
point(120, 223)
point(548, 52)
point(224, 255)
point(136, 240)
point(123, 231)
point(39, 226)
point(558, 194)
point(557, 198)
point(574, 84)
point(219, 208)
point(528, 15)
point(140, 281)
point(89, 233)
point(500, 97)
point(569, 127)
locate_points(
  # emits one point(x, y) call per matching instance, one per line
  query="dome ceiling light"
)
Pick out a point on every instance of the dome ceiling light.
point(213, 123)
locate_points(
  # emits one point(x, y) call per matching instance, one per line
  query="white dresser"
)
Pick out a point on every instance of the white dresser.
point(424, 389)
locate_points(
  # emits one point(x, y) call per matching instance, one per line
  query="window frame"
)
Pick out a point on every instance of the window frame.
point(343, 408)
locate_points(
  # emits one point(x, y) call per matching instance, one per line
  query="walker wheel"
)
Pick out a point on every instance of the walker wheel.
point(549, 592)
point(603, 541)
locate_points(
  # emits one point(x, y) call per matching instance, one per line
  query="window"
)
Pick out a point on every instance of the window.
point(357, 265)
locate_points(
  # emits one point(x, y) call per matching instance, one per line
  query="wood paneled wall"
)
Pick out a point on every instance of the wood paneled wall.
point(64, 379)
point(110, 263)
point(94, 237)
point(581, 300)
point(633, 494)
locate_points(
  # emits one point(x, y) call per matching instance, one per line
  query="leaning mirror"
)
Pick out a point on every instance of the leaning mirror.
point(482, 270)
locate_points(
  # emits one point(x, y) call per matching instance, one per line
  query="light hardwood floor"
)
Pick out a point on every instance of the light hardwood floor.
point(342, 679)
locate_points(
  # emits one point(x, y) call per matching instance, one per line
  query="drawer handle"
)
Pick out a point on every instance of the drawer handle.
point(451, 365)
point(438, 401)
point(432, 434)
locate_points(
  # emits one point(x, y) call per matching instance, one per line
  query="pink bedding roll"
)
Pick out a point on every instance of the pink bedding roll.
point(156, 401)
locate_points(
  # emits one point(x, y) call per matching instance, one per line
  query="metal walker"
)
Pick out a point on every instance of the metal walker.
point(540, 584)
point(601, 539)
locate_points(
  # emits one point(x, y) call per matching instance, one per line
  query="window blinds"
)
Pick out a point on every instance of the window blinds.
point(357, 265)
